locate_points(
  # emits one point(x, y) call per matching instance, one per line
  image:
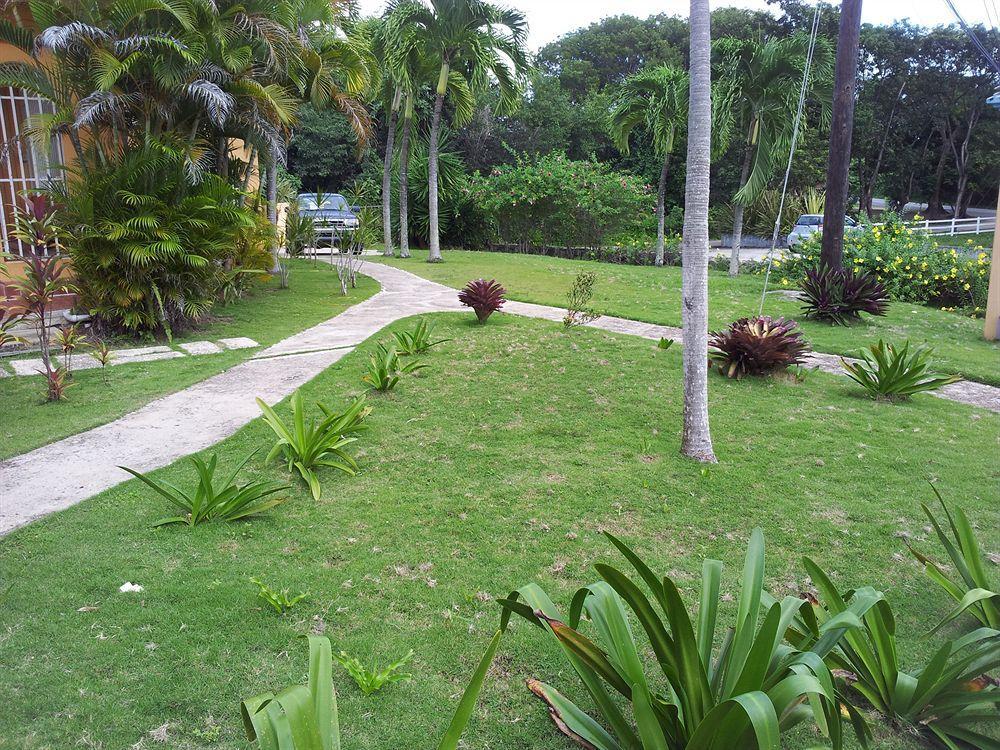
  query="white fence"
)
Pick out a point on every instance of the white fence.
point(971, 225)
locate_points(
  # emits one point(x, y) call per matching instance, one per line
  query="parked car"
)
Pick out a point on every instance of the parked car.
point(334, 219)
point(807, 224)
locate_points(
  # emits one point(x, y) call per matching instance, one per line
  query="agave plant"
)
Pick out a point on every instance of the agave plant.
point(485, 297)
point(308, 445)
point(951, 698)
point(418, 340)
point(743, 694)
point(209, 500)
point(970, 587)
point(304, 717)
point(891, 374)
point(385, 369)
point(756, 346)
point(840, 295)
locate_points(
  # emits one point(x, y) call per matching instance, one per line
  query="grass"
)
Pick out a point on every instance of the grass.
point(267, 316)
point(498, 465)
point(653, 295)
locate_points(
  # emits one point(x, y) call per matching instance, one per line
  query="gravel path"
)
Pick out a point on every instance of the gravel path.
point(61, 474)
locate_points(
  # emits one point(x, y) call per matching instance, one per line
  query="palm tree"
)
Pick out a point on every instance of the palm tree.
point(696, 440)
point(473, 43)
point(762, 78)
point(657, 100)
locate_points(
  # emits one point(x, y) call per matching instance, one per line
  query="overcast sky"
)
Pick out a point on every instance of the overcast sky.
point(549, 19)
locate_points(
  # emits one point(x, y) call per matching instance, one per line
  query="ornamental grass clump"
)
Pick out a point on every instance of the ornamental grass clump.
point(840, 295)
point(485, 297)
point(757, 346)
point(889, 373)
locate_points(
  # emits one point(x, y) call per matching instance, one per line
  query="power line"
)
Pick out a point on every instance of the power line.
point(975, 39)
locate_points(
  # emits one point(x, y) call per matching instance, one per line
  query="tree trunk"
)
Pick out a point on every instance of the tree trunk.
point(696, 440)
point(404, 184)
point(961, 154)
point(838, 163)
point(734, 255)
point(272, 206)
point(661, 199)
point(434, 253)
point(935, 209)
point(868, 186)
point(387, 180)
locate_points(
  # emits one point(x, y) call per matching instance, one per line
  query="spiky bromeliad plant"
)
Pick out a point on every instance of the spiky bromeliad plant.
point(308, 445)
point(894, 374)
point(210, 500)
point(756, 346)
point(418, 340)
point(485, 297)
point(385, 369)
point(741, 695)
point(840, 295)
point(304, 717)
point(952, 698)
point(969, 587)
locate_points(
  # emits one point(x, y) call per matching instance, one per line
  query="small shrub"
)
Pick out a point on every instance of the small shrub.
point(485, 297)
point(57, 381)
point(418, 340)
point(300, 231)
point(7, 322)
point(212, 501)
point(664, 343)
point(69, 339)
point(370, 680)
point(308, 446)
point(578, 310)
point(102, 353)
point(385, 369)
point(951, 698)
point(756, 346)
point(969, 585)
point(840, 295)
point(305, 716)
point(892, 374)
point(280, 601)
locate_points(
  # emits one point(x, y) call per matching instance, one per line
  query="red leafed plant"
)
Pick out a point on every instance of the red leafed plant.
point(756, 346)
point(485, 297)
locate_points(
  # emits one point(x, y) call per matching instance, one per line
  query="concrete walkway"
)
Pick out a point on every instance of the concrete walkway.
point(61, 474)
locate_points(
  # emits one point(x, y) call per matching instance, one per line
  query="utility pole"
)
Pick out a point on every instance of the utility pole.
point(839, 161)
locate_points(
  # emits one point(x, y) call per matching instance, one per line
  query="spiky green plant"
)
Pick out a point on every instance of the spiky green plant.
point(281, 601)
point(970, 587)
point(889, 373)
point(370, 679)
point(304, 717)
point(742, 692)
point(210, 500)
point(8, 321)
point(418, 340)
point(306, 446)
point(385, 369)
point(951, 698)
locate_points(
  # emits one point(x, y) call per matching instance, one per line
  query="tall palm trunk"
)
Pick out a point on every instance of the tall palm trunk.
point(404, 180)
point(696, 440)
point(272, 205)
point(734, 256)
point(661, 199)
point(387, 178)
point(434, 254)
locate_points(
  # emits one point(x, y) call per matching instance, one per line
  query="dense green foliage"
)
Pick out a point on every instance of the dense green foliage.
point(557, 201)
point(889, 372)
point(910, 264)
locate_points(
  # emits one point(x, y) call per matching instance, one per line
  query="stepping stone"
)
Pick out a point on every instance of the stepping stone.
point(4, 373)
point(240, 342)
point(151, 357)
point(140, 353)
point(84, 362)
point(27, 366)
point(200, 347)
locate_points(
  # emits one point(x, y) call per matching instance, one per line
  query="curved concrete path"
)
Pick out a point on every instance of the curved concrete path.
point(65, 472)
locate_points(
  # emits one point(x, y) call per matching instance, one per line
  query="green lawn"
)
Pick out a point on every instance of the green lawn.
point(267, 315)
point(498, 465)
point(653, 295)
